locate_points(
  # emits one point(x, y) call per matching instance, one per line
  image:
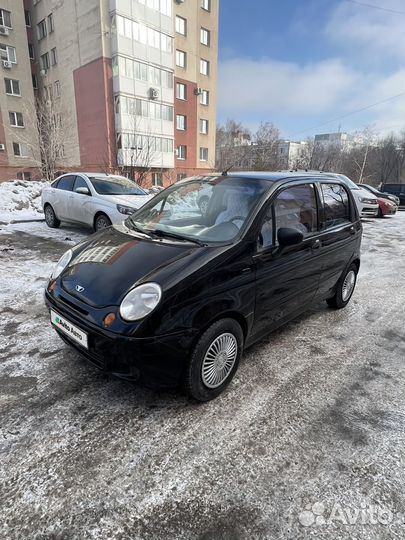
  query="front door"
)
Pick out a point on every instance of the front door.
point(62, 197)
point(287, 280)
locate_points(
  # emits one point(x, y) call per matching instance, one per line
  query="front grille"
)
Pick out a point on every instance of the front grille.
point(72, 305)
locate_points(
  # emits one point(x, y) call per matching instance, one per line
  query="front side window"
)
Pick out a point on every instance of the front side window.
point(80, 182)
point(177, 212)
point(295, 207)
point(336, 205)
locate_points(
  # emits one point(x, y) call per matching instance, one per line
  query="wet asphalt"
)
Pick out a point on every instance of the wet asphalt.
point(308, 442)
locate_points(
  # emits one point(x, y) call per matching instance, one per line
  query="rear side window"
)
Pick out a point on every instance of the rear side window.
point(66, 183)
point(80, 182)
point(336, 205)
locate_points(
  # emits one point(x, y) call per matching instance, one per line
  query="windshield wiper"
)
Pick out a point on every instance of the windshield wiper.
point(137, 228)
point(161, 233)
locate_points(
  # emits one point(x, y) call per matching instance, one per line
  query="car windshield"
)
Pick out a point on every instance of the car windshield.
point(116, 185)
point(201, 210)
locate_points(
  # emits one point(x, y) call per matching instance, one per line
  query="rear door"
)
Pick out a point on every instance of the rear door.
point(287, 281)
point(341, 231)
point(61, 197)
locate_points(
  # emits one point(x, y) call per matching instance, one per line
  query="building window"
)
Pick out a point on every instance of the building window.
point(181, 122)
point(181, 58)
point(204, 67)
point(182, 151)
point(45, 61)
point(204, 126)
point(31, 51)
point(181, 25)
point(157, 179)
point(57, 88)
point(27, 17)
point(8, 53)
point(204, 97)
point(205, 37)
point(16, 119)
point(12, 87)
point(41, 29)
point(20, 150)
point(54, 57)
point(24, 175)
point(203, 154)
point(34, 81)
point(181, 91)
point(51, 25)
point(5, 18)
point(206, 4)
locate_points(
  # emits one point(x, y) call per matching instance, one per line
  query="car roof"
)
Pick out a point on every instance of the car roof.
point(276, 176)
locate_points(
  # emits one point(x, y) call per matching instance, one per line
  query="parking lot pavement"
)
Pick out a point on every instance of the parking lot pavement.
point(308, 440)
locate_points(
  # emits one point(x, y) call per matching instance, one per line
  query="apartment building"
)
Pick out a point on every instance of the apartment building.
point(19, 151)
point(132, 82)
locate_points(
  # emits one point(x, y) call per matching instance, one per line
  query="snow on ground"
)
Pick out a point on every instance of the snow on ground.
point(20, 199)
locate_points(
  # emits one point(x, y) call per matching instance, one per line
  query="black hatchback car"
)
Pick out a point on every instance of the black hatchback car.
point(174, 295)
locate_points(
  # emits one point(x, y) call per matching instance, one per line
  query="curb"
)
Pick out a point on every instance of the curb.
point(13, 221)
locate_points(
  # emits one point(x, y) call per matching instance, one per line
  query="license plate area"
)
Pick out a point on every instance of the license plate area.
point(70, 329)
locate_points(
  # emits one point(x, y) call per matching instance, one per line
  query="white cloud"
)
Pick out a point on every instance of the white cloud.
point(367, 67)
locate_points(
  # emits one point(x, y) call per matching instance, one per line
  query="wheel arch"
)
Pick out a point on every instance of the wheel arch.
point(100, 213)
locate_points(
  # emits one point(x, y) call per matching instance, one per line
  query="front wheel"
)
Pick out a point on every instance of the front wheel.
point(101, 222)
point(344, 288)
point(50, 217)
point(214, 360)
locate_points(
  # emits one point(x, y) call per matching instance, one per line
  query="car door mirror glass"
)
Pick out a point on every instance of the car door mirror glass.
point(82, 190)
point(288, 236)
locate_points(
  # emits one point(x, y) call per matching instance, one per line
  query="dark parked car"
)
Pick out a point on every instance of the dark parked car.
point(380, 194)
point(174, 295)
point(395, 189)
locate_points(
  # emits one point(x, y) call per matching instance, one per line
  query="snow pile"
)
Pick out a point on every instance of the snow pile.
point(20, 199)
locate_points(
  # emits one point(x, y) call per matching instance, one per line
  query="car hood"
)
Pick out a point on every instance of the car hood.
point(106, 267)
point(365, 193)
point(136, 201)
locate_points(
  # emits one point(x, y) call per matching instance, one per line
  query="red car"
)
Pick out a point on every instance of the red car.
point(386, 207)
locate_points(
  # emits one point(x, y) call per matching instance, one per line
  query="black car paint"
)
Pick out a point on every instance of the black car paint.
point(395, 189)
point(261, 290)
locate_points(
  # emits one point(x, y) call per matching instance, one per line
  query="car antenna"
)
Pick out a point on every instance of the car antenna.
point(225, 172)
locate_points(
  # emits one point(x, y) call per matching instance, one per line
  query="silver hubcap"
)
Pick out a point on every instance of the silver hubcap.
point(48, 215)
point(219, 360)
point(348, 285)
point(102, 223)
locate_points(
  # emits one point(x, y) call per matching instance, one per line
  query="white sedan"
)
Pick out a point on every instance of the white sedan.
point(367, 203)
point(92, 199)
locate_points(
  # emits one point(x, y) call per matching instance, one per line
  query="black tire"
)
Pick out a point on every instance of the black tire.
point(340, 300)
point(101, 222)
point(195, 385)
point(50, 217)
point(380, 214)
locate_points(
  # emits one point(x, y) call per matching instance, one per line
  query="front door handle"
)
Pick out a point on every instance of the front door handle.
point(352, 230)
point(316, 244)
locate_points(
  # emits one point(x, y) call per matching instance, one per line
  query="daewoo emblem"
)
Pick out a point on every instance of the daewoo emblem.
point(79, 288)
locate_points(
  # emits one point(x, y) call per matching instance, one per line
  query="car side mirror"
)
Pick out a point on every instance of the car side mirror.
point(288, 236)
point(83, 190)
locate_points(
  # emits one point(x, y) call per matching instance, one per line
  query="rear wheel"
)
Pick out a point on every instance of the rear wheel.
point(50, 217)
point(101, 222)
point(214, 360)
point(344, 288)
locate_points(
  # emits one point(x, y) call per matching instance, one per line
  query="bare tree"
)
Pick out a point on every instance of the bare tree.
point(52, 132)
point(267, 138)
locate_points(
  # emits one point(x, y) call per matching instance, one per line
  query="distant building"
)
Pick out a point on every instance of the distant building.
point(341, 139)
point(291, 154)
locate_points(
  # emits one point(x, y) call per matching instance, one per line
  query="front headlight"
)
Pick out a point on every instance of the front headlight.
point(62, 263)
point(140, 301)
point(128, 210)
point(364, 200)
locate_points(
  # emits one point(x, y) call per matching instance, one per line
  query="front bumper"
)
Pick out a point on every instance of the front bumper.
point(369, 211)
point(157, 361)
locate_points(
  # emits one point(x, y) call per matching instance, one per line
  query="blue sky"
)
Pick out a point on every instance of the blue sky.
point(301, 63)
